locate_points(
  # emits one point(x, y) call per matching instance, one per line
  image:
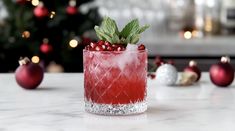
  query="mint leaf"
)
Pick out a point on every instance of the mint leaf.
point(127, 40)
point(98, 33)
point(109, 26)
point(130, 28)
point(116, 38)
point(143, 28)
point(131, 32)
point(108, 31)
point(135, 39)
point(132, 36)
point(102, 35)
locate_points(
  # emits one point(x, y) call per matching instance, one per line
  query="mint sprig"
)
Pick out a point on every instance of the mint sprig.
point(108, 31)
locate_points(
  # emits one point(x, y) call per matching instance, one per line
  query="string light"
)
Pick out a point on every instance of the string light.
point(35, 2)
point(26, 34)
point(52, 14)
point(35, 59)
point(187, 35)
point(73, 43)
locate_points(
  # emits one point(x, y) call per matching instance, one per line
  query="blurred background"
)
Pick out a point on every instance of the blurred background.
point(54, 32)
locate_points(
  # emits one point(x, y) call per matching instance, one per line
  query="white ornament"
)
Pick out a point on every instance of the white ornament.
point(167, 74)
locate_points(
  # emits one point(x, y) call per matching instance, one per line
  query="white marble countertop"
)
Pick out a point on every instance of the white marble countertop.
point(57, 105)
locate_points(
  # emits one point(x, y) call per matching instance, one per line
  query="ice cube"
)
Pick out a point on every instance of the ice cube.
point(129, 56)
point(131, 47)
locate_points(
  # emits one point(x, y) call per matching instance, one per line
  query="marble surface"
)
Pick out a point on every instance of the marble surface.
point(57, 105)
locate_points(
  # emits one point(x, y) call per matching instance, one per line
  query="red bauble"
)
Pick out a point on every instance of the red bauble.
point(222, 73)
point(28, 75)
point(40, 11)
point(192, 67)
point(46, 48)
point(71, 10)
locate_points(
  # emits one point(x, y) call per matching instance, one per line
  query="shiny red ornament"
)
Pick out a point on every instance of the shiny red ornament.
point(45, 47)
point(40, 11)
point(222, 73)
point(192, 67)
point(29, 75)
point(71, 10)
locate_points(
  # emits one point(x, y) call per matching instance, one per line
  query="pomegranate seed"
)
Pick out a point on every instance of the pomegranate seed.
point(101, 42)
point(109, 48)
point(99, 48)
point(120, 48)
point(107, 43)
point(93, 45)
point(115, 46)
point(103, 47)
point(88, 47)
point(141, 47)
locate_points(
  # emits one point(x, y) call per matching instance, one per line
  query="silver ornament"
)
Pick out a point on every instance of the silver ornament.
point(167, 74)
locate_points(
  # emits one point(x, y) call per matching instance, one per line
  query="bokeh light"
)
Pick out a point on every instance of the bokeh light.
point(25, 34)
point(35, 2)
point(187, 35)
point(35, 59)
point(73, 43)
point(52, 14)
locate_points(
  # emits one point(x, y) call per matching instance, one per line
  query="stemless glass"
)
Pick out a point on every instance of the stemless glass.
point(115, 82)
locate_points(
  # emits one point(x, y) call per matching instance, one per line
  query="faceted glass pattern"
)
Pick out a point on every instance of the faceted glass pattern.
point(115, 82)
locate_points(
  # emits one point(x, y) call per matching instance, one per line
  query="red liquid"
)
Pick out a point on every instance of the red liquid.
point(115, 77)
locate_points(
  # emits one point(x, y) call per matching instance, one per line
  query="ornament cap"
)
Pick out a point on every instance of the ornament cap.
point(188, 78)
point(45, 40)
point(192, 63)
point(72, 3)
point(41, 4)
point(225, 59)
point(24, 61)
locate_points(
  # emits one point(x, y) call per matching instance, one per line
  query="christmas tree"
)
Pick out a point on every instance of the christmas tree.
point(46, 30)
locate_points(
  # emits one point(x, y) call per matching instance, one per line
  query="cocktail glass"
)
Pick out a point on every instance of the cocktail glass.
point(115, 82)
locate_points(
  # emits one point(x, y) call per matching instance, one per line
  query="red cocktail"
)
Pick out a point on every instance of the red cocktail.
point(115, 81)
point(115, 70)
